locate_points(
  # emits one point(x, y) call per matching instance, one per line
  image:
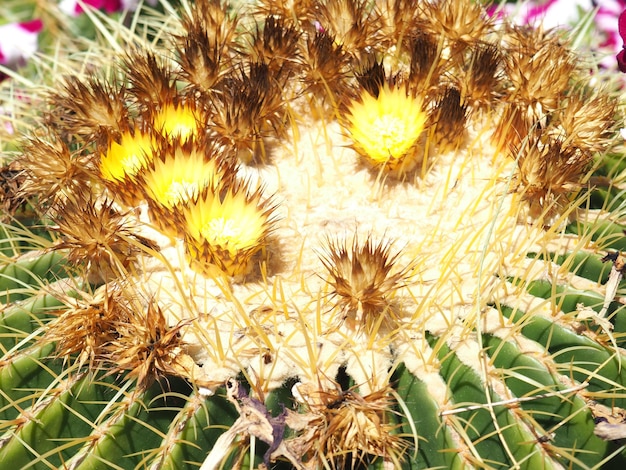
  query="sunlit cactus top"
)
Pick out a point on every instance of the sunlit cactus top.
point(291, 191)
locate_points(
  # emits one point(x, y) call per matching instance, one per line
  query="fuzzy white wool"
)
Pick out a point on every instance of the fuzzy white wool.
point(459, 222)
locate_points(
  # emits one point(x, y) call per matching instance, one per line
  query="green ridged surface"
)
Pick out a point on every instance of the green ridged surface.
point(137, 431)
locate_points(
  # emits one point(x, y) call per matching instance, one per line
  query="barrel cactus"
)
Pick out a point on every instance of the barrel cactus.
point(319, 234)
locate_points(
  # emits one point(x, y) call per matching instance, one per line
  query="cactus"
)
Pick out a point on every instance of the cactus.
point(315, 235)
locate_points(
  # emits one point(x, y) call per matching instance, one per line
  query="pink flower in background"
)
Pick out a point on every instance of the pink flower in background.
point(550, 13)
point(621, 55)
point(18, 42)
point(565, 13)
point(74, 8)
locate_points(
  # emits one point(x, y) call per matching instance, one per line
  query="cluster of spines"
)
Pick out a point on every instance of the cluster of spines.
point(348, 429)
point(115, 331)
point(364, 279)
point(542, 126)
point(445, 57)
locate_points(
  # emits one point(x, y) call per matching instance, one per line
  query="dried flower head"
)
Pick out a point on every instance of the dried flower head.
point(385, 129)
point(363, 282)
point(460, 23)
point(206, 49)
point(425, 66)
point(87, 107)
point(347, 428)
point(146, 347)
point(586, 122)
point(98, 238)
point(394, 20)
point(483, 75)
point(213, 19)
point(249, 109)
point(450, 115)
point(52, 172)
point(540, 68)
point(276, 44)
point(548, 173)
point(86, 324)
point(151, 81)
point(325, 67)
point(347, 22)
point(226, 229)
point(12, 178)
point(200, 61)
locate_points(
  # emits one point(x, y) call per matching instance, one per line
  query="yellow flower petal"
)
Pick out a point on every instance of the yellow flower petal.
point(177, 122)
point(178, 177)
point(127, 157)
point(386, 128)
point(227, 230)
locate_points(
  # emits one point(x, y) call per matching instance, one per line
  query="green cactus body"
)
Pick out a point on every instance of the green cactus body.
point(328, 235)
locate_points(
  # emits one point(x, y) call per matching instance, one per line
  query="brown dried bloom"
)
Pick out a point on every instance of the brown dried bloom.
point(548, 173)
point(12, 178)
point(98, 238)
point(52, 172)
point(206, 49)
point(248, 109)
point(394, 20)
point(586, 122)
point(86, 324)
point(276, 44)
point(151, 79)
point(363, 281)
point(147, 347)
point(484, 76)
point(459, 23)
point(346, 21)
point(346, 429)
point(539, 68)
point(450, 116)
point(539, 72)
point(425, 65)
point(86, 108)
point(325, 67)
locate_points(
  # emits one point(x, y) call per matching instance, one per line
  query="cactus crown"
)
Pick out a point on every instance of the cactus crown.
point(362, 234)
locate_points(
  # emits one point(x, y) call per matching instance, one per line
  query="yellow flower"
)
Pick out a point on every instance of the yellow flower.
point(385, 129)
point(226, 230)
point(127, 157)
point(178, 175)
point(177, 121)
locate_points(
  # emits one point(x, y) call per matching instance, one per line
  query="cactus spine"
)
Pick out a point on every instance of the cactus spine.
point(319, 235)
